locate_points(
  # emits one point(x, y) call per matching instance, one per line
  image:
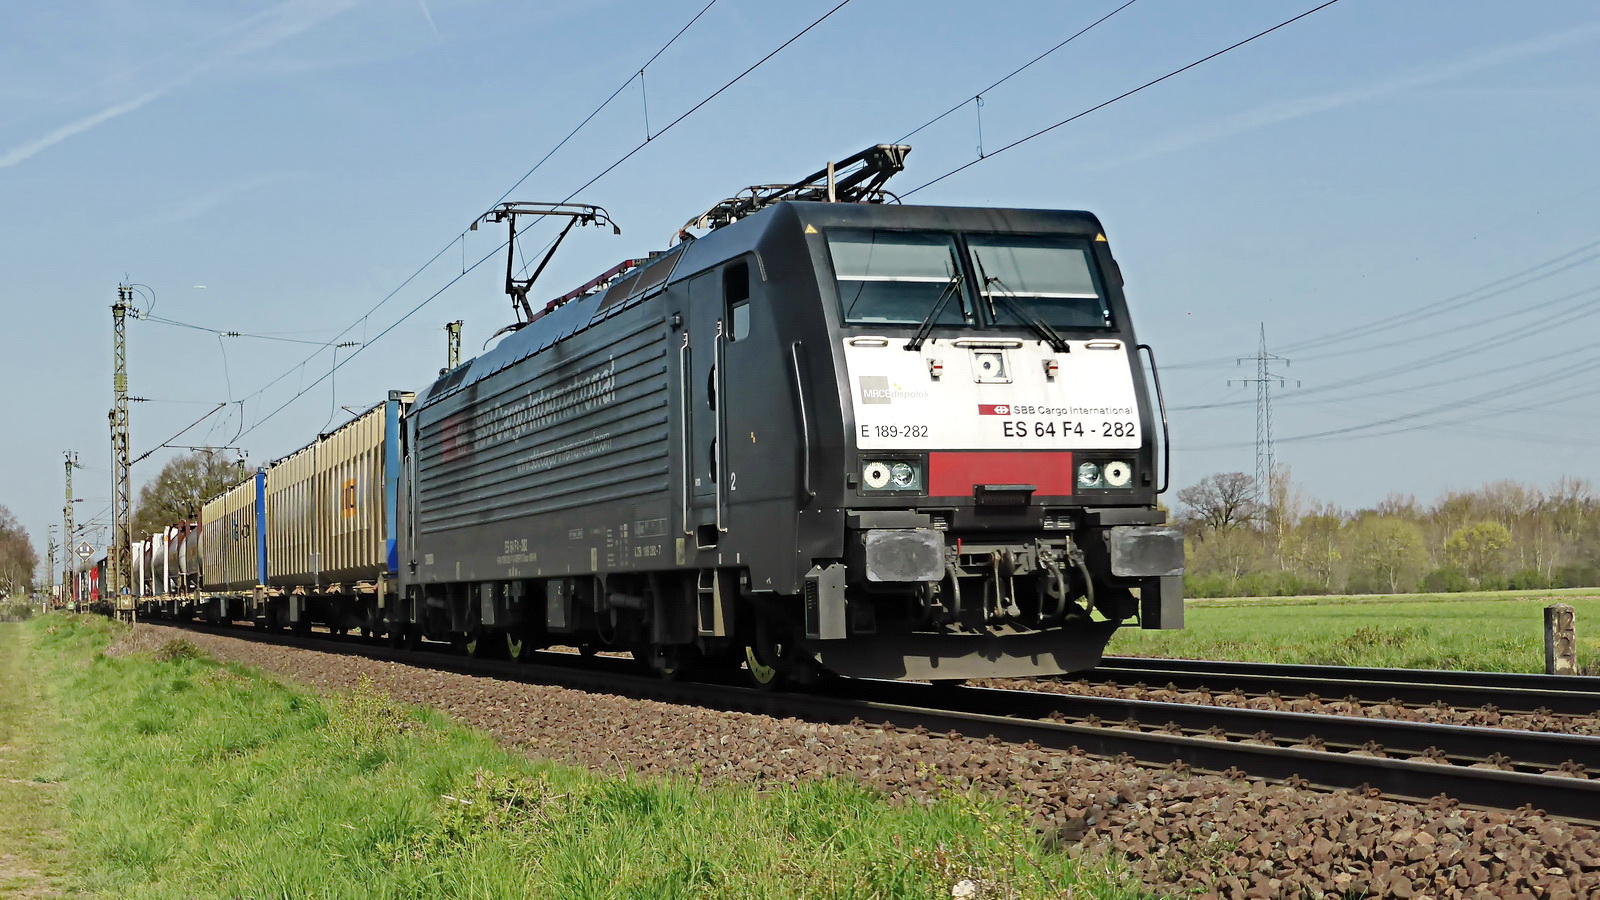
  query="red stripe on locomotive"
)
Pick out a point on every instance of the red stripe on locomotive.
point(957, 474)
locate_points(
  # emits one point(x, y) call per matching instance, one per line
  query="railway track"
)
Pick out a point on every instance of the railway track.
point(1488, 768)
point(1560, 694)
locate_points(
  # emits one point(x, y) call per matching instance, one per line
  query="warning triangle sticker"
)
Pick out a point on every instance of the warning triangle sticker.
point(811, 229)
point(1100, 239)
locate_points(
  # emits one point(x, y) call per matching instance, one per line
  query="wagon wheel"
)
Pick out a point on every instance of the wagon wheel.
point(519, 645)
point(481, 643)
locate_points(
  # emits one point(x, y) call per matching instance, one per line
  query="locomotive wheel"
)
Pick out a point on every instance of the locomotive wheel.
point(764, 668)
point(396, 635)
point(671, 661)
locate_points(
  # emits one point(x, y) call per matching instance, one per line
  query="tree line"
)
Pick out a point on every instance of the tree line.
point(18, 559)
point(1502, 535)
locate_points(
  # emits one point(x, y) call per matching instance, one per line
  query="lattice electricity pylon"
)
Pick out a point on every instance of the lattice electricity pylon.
point(67, 529)
point(119, 559)
point(1264, 380)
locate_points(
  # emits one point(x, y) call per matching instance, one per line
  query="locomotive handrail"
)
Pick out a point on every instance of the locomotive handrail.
point(719, 422)
point(805, 423)
point(683, 402)
point(1166, 438)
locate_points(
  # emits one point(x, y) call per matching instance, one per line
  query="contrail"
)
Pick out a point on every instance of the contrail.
point(21, 153)
point(257, 32)
point(429, 16)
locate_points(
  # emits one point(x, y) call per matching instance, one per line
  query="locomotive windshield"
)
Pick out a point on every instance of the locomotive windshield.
point(906, 277)
point(898, 277)
point(1051, 279)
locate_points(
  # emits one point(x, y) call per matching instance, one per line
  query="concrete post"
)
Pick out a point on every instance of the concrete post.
point(1560, 640)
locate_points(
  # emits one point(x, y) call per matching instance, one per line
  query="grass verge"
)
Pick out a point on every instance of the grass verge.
point(190, 778)
point(33, 816)
point(1488, 631)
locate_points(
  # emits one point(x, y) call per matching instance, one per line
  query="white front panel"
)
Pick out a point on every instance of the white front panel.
point(991, 397)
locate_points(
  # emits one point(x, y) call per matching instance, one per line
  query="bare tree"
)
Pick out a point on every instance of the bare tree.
point(185, 482)
point(1221, 502)
point(18, 559)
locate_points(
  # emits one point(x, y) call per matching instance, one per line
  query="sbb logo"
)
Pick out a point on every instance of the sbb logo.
point(994, 409)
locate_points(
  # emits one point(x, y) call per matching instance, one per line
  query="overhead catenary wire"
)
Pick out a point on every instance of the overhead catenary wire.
point(587, 184)
point(1122, 96)
point(185, 428)
point(1013, 73)
point(604, 103)
point(222, 332)
point(461, 237)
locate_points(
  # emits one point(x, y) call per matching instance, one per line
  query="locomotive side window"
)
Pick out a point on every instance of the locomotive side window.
point(736, 299)
point(1022, 278)
point(898, 277)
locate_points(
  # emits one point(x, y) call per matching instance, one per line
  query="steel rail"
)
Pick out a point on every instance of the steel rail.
point(1438, 742)
point(1521, 680)
point(1567, 695)
point(1573, 799)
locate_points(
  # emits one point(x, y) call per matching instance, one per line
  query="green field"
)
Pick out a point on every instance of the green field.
point(1499, 631)
point(183, 777)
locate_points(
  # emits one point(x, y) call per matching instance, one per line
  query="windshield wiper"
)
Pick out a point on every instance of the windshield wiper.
point(923, 330)
point(1040, 326)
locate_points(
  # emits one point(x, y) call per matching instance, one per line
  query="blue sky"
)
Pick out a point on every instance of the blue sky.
point(1403, 193)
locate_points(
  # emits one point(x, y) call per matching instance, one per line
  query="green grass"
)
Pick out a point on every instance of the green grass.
point(1500, 631)
point(189, 778)
point(33, 817)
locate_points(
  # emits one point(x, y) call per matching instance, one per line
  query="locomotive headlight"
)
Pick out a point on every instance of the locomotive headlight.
point(891, 475)
point(1089, 476)
point(1118, 473)
point(875, 475)
point(904, 475)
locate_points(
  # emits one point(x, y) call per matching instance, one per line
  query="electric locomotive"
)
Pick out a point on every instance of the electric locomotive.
point(833, 433)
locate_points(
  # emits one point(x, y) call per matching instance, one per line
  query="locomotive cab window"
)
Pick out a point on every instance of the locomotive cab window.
point(1050, 279)
point(898, 277)
point(736, 299)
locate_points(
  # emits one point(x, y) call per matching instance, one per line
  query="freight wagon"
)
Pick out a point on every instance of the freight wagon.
point(310, 538)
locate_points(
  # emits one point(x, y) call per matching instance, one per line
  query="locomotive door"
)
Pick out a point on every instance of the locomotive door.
point(703, 420)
